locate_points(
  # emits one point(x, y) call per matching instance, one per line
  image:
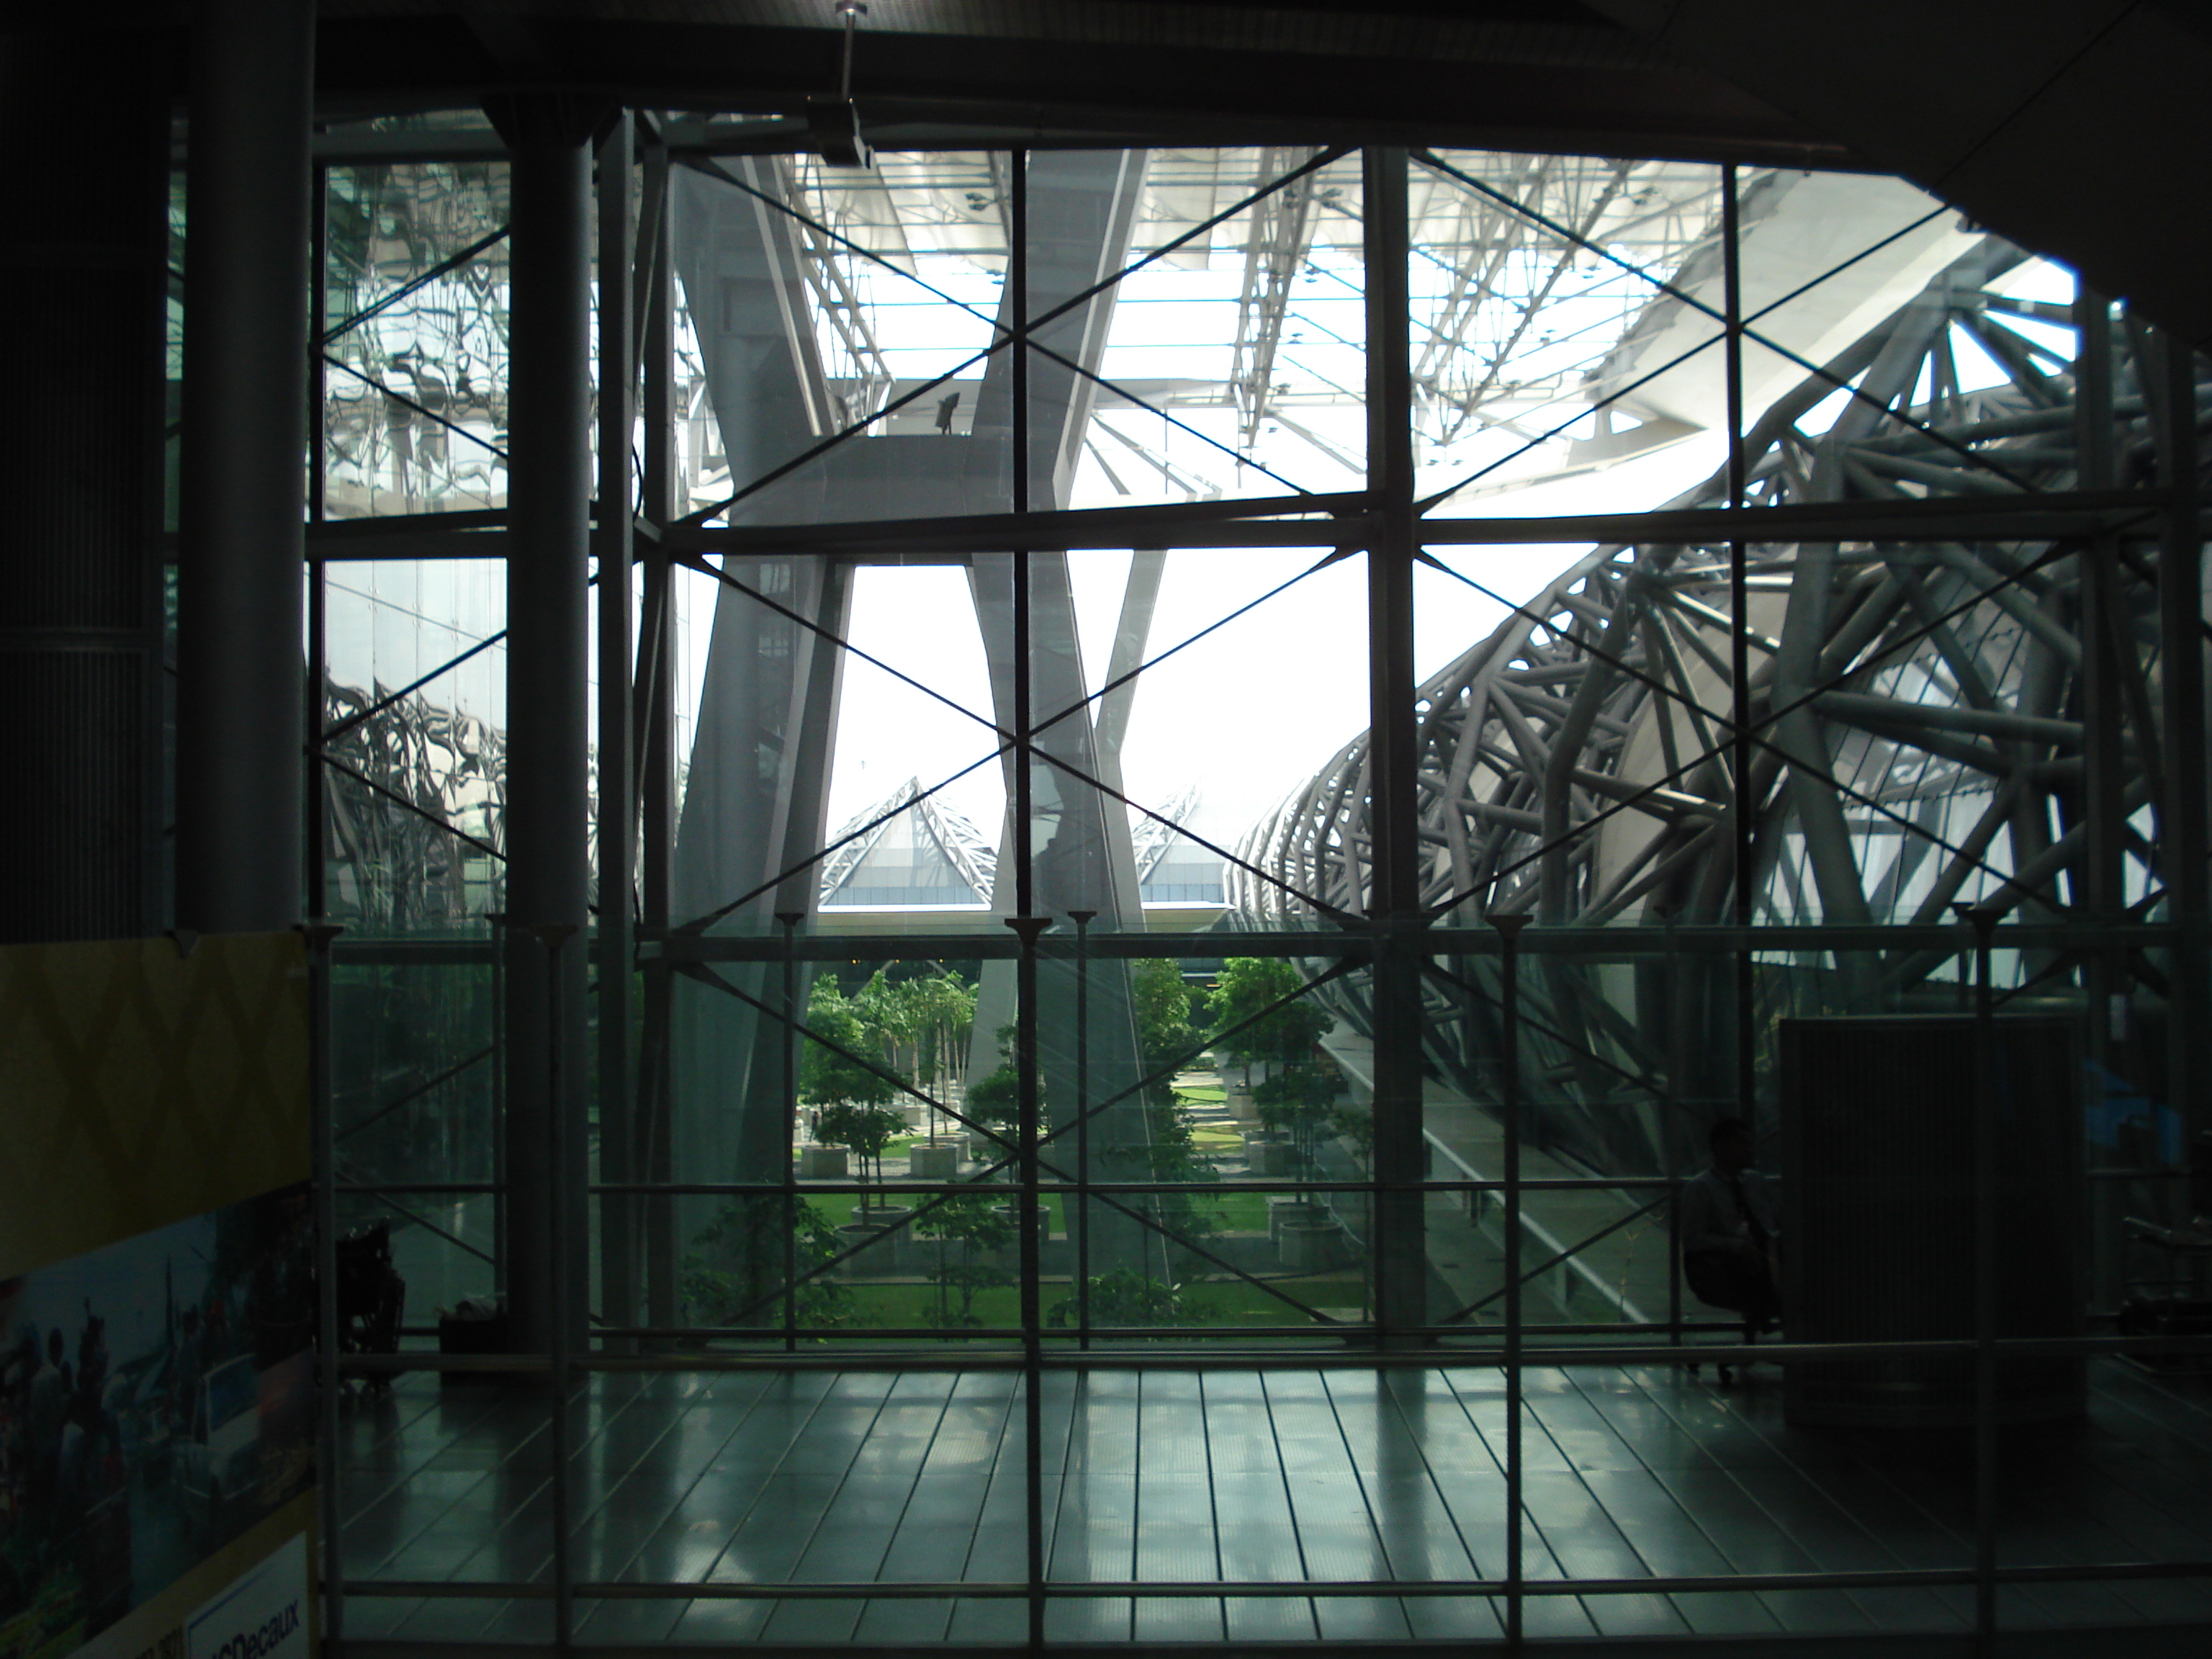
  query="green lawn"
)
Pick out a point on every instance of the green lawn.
point(1214, 1302)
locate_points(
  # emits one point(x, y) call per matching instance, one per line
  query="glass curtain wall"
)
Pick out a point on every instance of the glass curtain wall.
point(1637, 668)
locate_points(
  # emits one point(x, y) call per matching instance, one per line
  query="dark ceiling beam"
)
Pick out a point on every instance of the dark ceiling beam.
point(925, 88)
point(2074, 127)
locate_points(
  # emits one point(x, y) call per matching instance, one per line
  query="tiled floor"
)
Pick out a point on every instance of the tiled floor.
point(1282, 1476)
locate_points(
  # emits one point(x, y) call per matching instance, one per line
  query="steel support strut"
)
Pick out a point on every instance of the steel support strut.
point(1398, 1264)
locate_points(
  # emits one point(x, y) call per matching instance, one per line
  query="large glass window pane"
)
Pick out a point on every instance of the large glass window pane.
point(413, 338)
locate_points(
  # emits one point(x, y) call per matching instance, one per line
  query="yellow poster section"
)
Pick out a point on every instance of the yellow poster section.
point(144, 1083)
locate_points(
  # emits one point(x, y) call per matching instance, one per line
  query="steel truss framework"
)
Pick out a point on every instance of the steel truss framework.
point(1915, 728)
point(1896, 608)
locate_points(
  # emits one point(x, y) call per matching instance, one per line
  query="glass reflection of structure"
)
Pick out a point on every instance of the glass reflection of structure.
point(1892, 690)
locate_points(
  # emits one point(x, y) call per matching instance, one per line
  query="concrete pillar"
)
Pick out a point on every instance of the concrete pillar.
point(240, 692)
point(616, 828)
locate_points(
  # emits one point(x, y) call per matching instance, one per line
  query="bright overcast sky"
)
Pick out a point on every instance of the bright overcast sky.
point(1247, 713)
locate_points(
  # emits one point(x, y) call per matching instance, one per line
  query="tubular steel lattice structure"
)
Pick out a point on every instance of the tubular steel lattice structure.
point(1923, 726)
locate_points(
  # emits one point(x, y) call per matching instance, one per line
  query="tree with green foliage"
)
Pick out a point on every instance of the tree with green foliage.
point(831, 1068)
point(1276, 1036)
point(867, 1130)
point(974, 1222)
point(944, 1009)
point(994, 1104)
point(734, 1270)
point(1161, 1001)
point(1296, 1101)
point(925, 1023)
point(994, 1101)
point(1125, 1297)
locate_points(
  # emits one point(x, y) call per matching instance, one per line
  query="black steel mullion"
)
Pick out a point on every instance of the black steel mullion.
point(1508, 930)
point(2183, 836)
point(789, 1207)
point(1744, 807)
point(1986, 1244)
point(1079, 1232)
point(1025, 920)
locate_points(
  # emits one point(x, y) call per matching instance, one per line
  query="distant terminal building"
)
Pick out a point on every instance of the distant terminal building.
point(910, 854)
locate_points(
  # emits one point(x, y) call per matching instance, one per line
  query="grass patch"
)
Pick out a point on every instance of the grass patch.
point(1211, 1304)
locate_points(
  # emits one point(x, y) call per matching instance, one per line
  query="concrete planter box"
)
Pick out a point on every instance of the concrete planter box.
point(1264, 1156)
point(1309, 1246)
point(1285, 1212)
point(888, 1254)
point(822, 1164)
point(1010, 1257)
point(938, 1161)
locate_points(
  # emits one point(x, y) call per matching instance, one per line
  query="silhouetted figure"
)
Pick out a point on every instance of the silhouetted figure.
point(1729, 1220)
point(52, 1392)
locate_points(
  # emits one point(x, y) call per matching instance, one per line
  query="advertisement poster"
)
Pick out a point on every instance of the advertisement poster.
point(262, 1616)
point(158, 1402)
point(156, 1288)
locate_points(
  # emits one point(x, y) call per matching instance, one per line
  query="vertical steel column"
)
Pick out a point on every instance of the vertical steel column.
point(788, 1210)
point(315, 794)
point(321, 1094)
point(617, 827)
point(656, 757)
point(323, 1134)
point(2183, 840)
point(548, 798)
point(1079, 1218)
point(1742, 809)
point(1984, 919)
point(2107, 654)
point(1021, 921)
point(239, 728)
point(554, 939)
point(1395, 1239)
point(319, 373)
point(1508, 931)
